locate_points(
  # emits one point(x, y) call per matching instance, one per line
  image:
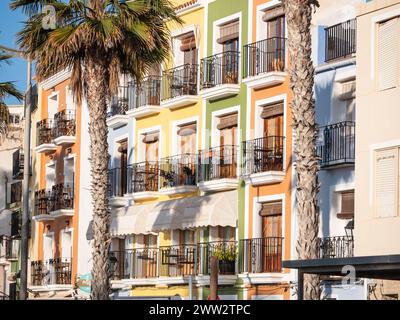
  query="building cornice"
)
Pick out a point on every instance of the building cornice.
point(55, 79)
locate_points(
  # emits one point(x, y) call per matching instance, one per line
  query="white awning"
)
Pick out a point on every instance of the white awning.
point(213, 210)
point(130, 220)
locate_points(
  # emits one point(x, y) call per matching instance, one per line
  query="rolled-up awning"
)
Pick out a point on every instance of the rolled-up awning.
point(131, 220)
point(213, 210)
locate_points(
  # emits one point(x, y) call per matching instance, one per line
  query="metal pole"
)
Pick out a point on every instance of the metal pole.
point(190, 287)
point(25, 215)
point(214, 278)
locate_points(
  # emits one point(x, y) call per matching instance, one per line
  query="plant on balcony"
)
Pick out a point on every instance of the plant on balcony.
point(230, 77)
point(225, 253)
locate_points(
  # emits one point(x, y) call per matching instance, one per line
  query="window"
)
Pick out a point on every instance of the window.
point(16, 192)
point(386, 183)
point(273, 119)
point(226, 233)
point(186, 237)
point(388, 54)
point(275, 20)
point(151, 144)
point(271, 213)
point(347, 205)
point(150, 240)
point(187, 138)
point(123, 162)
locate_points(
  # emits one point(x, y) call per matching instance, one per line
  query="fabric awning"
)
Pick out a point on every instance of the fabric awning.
point(272, 110)
point(213, 210)
point(130, 220)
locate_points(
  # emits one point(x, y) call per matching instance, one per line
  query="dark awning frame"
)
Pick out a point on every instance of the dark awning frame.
point(372, 267)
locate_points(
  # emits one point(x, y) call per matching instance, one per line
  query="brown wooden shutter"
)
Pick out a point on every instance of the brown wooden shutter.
point(273, 13)
point(228, 121)
point(187, 129)
point(188, 43)
point(150, 137)
point(272, 208)
point(347, 210)
point(123, 146)
point(272, 110)
point(228, 32)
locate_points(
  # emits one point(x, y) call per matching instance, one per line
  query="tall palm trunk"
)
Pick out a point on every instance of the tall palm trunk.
point(301, 71)
point(95, 75)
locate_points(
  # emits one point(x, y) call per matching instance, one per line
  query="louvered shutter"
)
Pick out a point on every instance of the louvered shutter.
point(386, 182)
point(388, 54)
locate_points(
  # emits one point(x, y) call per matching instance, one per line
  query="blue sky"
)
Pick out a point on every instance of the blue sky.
point(10, 24)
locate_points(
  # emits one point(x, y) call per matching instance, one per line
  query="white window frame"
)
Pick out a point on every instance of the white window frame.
point(174, 133)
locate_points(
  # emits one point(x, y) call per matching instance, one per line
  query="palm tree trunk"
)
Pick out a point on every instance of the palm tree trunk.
point(95, 75)
point(298, 16)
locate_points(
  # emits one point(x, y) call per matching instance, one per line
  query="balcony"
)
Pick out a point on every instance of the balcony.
point(118, 187)
point(336, 247)
point(261, 255)
point(263, 160)
point(119, 106)
point(54, 203)
point(179, 87)
point(41, 211)
point(219, 75)
point(64, 128)
point(44, 137)
point(340, 41)
point(166, 261)
point(178, 174)
point(336, 146)
point(145, 98)
point(61, 201)
point(143, 180)
point(52, 272)
point(218, 168)
point(225, 251)
point(264, 63)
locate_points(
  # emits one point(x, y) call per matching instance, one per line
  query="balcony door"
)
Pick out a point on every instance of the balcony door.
point(123, 161)
point(228, 139)
point(270, 157)
point(271, 213)
point(185, 165)
point(274, 54)
point(229, 62)
point(48, 274)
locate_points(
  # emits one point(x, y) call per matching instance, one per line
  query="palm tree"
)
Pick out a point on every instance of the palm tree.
point(98, 40)
point(301, 71)
point(7, 89)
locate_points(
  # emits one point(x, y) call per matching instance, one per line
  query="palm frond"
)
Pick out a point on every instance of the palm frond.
point(9, 89)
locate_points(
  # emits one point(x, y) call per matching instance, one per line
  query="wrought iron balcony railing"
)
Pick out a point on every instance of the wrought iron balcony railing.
point(179, 81)
point(166, 261)
point(218, 163)
point(18, 164)
point(263, 154)
point(64, 123)
point(117, 182)
point(337, 144)
point(219, 69)
point(44, 132)
point(261, 255)
point(336, 247)
point(42, 202)
point(264, 56)
point(61, 197)
point(146, 93)
point(225, 251)
point(120, 102)
point(340, 40)
point(143, 176)
point(50, 272)
point(179, 170)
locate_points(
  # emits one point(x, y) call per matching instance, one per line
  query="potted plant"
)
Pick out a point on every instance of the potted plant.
point(226, 255)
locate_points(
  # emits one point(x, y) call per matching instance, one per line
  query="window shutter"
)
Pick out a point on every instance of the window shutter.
point(228, 121)
point(347, 210)
point(386, 182)
point(388, 54)
point(188, 42)
point(187, 129)
point(273, 14)
point(271, 208)
point(66, 243)
point(272, 110)
point(228, 32)
point(150, 137)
